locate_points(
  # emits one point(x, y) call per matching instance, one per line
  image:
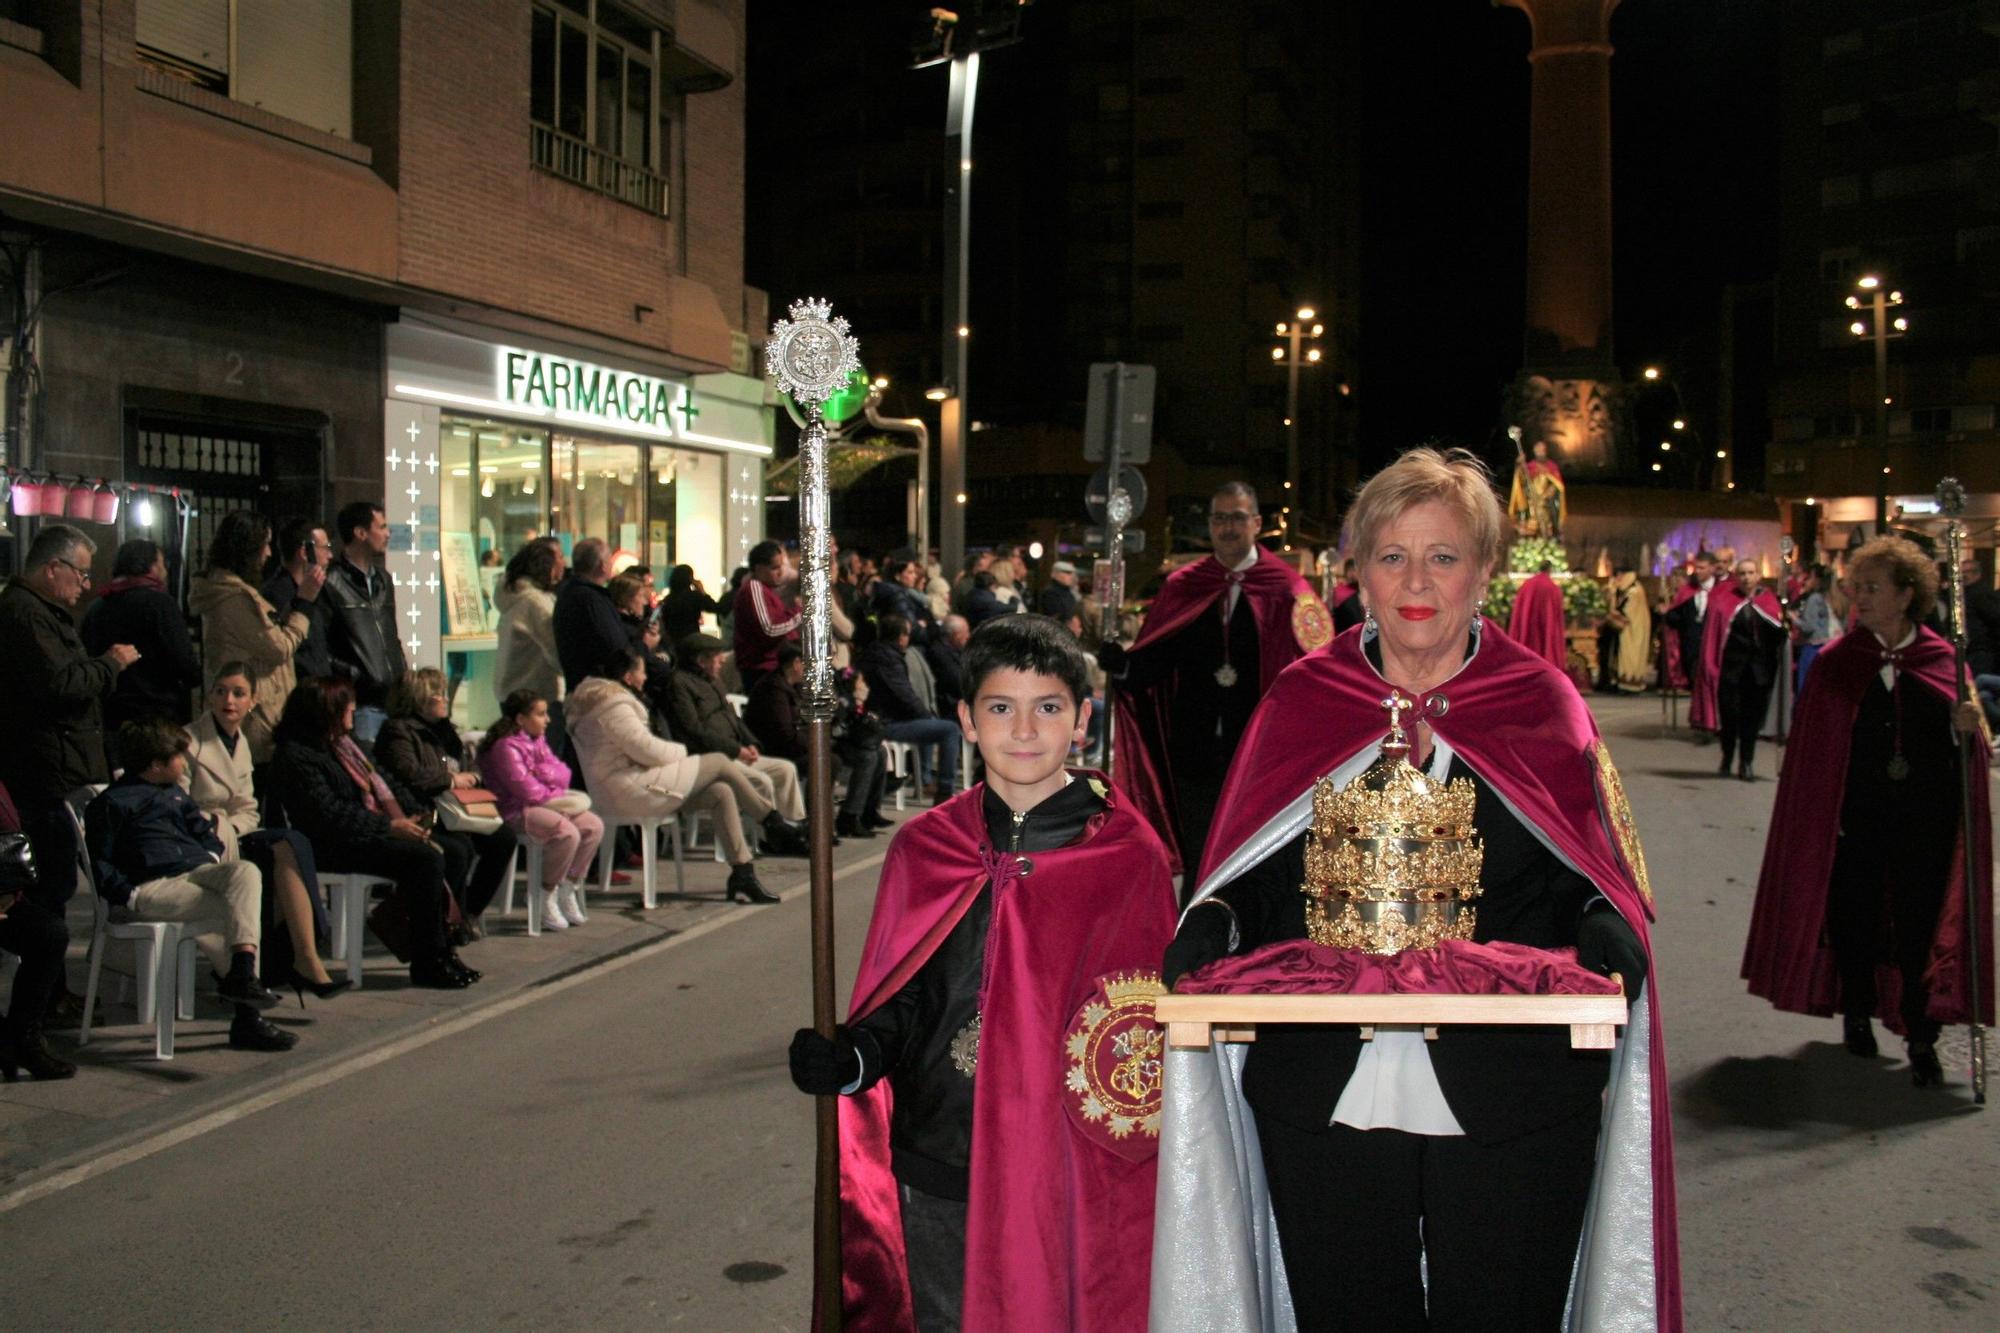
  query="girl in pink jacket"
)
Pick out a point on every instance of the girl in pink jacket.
point(531, 785)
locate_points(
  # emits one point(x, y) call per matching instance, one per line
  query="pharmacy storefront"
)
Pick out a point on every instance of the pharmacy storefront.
point(490, 443)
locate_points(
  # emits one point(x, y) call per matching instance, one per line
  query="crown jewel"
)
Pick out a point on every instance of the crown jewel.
point(1393, 859)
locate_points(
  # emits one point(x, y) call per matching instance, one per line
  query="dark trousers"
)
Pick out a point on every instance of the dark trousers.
point(934, 1251)
point(1880, 910)
point(1742, 703)
point(1197, 787)
point(1364, 1214)
point(418, 870)
point(39, 939)
point(53, 836)
point(867, 779)
point(475, 864)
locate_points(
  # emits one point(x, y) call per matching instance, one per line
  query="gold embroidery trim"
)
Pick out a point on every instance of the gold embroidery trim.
point(1618, 811)
point(965, 1048)
point(1311, 625)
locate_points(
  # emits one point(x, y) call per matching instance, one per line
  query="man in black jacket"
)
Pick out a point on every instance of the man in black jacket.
point(705, 722)
point(136, 608)
point(587, 627)
point(894, 699)
point(302, 544)
point(361, 615)
point(51, 730)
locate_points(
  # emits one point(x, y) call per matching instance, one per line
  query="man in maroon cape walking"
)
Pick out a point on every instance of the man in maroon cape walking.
point(1861, 904)
point(1536, 622)
point(1740, 646)
point(1682, 623)
point(1000, 1063)
point(1215, 639)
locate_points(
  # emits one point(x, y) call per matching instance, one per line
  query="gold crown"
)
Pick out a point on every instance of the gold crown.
point(1393, 860)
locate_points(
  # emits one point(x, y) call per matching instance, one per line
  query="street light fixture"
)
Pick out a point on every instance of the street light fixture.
point(1301, 329)
point(1651, 372)
point(1879, 327)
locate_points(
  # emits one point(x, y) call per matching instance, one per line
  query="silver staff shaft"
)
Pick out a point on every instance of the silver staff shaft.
point(1969, 772)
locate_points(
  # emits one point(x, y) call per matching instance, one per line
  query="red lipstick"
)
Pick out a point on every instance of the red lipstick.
point(1416, 612)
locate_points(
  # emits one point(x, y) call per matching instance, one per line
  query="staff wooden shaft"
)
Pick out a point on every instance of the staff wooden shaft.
point(826, 1179)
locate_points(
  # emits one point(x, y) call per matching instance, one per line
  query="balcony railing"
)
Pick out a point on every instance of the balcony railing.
point(594, 169)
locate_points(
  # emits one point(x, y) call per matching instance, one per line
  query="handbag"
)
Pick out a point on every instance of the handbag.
point(469, 810)
point(569, 803)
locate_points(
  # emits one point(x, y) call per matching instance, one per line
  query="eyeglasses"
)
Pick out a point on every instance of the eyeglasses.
point(1232, 520)
point(78, 570)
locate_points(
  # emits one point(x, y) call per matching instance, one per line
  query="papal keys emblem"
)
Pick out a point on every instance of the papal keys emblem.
point(1116, 1060)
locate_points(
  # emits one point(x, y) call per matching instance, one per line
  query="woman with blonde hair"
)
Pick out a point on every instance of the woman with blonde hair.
point(1484, 1179)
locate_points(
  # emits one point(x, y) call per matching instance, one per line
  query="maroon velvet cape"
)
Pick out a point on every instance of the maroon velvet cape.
point(1678, 674)
point(1787, 959)
point(1060, 1228)
point(1291, 621)
point(1704, 708)
point(1522, 726)
point(1536, 622)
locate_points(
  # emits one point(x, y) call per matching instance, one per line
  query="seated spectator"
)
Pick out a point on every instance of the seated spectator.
point(645, 776)
point(136, 608)
point(899, 593)
point(527, 635)
point(705, 722)
point(1059, 598)
point(532, 788)
point(219, 779)
point(944, 655)
point(774, 718)
point(894, 699)
point(419, 747)
point(357, 823)
point(983, 603)
point(238, 625)
point(156, 856)
point(38, 937)
point(1010, 579)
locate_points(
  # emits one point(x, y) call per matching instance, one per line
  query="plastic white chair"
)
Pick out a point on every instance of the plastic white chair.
point(163, 953)
point(532, 851)
point(347, 895)
point(901, 757)
point(649, 854)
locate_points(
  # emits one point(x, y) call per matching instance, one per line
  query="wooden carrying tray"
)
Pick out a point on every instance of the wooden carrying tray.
point(1193, 1021)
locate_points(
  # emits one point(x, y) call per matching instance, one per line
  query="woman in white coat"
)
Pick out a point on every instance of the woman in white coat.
point(634, 774)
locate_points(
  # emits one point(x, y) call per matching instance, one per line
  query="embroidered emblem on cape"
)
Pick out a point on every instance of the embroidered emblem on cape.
point(1116, 1059)
point(1618, 811)
point(1311, 625)
point(965, 1048)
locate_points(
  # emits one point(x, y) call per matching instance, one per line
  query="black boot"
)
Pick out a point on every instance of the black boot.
point(784, 838)
point(1859, 1033)
point(1925, 1071)
point(241, 986)
point(251, 1031)
point(744, 884)
point(1728, 760)
point(873, 819)
point(437, 973)
point(27, 1050)
point(850, 826)
point(457, 964)
point(1743, 770)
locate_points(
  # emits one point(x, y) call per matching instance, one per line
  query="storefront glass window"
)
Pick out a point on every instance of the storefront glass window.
point(598, 493)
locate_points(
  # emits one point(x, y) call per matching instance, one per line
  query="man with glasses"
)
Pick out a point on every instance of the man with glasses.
point(1215, 638)
point(302, 548)
point(52, 727)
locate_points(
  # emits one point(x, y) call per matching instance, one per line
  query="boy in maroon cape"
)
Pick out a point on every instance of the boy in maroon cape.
point(1000, 1065)
point(1536, 621)
point(1215, 639)
point(1861, 905)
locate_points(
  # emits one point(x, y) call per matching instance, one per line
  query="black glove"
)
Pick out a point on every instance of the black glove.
point(1111, 656)
point(1203, 937)
point(822, 1066)
point(1605, 944)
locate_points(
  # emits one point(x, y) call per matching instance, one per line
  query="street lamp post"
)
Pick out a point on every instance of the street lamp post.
point(1298, 331)
point(1879, 327)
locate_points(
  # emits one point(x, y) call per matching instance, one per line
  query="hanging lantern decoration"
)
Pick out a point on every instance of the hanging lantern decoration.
point(104, 505)
point(55, 498)
point(83, 501)
point(27, 498)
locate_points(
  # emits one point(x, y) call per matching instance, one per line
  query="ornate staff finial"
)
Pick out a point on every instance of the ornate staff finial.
point(811, 353)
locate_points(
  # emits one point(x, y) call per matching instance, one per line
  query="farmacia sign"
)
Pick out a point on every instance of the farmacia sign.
point(580, 389)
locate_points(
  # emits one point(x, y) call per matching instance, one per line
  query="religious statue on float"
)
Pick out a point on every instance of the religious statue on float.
point(1538, 502)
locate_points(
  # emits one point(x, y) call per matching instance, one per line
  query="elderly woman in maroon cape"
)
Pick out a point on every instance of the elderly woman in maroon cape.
point(1861, 905)
point(1486, 1179)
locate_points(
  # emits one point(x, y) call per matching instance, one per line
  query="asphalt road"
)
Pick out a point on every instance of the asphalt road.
point(623, 1148)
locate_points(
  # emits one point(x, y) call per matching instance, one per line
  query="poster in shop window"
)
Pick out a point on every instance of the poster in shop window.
point(465, 611)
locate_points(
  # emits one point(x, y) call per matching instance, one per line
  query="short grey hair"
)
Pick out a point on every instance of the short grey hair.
point(1237, 488)
point(59, 541)
point(588, 558)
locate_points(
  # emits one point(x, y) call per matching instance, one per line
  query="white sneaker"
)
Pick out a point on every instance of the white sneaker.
point(572, 906)
point(552, 916)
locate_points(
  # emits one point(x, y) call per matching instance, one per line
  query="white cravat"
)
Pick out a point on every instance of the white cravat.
point(1889, 668)
point(1701, 598)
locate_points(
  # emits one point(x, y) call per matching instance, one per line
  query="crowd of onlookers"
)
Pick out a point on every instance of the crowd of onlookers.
point(211, 775)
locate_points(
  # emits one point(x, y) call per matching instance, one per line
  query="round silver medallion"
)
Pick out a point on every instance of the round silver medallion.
point(811, 354)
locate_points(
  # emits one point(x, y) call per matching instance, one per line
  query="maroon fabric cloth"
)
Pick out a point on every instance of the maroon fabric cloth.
point(1787, 959)
point(127, 582)
point(1536, 622)
point(1060, 1227)
point(1282, 602)
point(1456, 967)
point(1704, 710)
point(1677, 672)
point(1523, 727)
